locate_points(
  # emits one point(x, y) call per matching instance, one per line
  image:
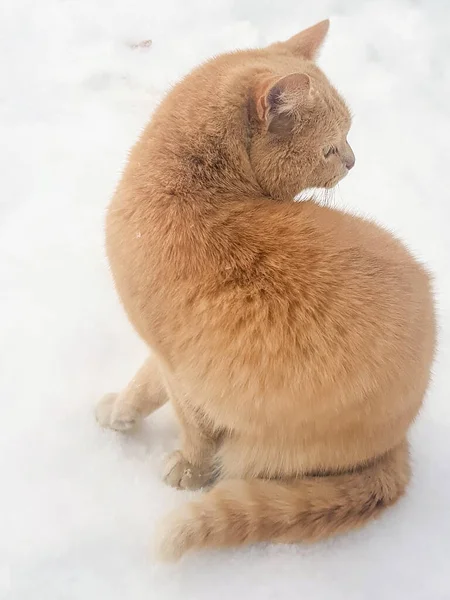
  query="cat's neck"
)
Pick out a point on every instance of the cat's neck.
point(201, 154)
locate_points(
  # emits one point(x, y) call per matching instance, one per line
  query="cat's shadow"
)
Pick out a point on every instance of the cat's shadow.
point(155, 436)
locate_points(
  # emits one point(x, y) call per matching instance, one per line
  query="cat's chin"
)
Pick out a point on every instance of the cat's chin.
point(319, 190)
point(333, 182)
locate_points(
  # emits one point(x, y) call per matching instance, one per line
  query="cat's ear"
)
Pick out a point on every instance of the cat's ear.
point(277, 98)
point(308, 42)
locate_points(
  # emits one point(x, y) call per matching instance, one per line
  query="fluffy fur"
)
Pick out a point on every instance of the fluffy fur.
point(294, 340)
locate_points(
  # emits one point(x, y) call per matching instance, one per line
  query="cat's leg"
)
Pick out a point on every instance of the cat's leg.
point(144, 394)
point(192, 467)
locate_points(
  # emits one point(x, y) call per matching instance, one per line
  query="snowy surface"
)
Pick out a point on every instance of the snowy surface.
point(77, 504)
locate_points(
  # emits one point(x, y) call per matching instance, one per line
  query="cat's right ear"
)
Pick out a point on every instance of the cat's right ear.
point(308, 42)
point(277, 98)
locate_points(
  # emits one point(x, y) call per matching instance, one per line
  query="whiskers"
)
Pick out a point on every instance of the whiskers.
point(322, 196)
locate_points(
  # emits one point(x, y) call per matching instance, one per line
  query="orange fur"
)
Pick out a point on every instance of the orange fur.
point(294, 340)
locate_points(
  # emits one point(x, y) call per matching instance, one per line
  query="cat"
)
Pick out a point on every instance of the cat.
point(294, 340)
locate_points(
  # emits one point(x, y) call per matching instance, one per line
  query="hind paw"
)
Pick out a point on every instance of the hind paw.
point(181, 474)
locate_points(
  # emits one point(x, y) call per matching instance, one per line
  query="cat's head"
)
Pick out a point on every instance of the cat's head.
point(261, 120)
point(299, 121)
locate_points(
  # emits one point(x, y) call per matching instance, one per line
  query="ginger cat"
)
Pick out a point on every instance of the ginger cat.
point(294, 340)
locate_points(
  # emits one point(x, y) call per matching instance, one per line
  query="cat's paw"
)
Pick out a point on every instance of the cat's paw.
point(181, 474)
point(113, 415)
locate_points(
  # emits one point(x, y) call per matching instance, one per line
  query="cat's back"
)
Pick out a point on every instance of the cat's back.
point(259, 270)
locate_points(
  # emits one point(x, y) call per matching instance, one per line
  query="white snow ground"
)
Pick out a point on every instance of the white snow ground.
point(77, 504)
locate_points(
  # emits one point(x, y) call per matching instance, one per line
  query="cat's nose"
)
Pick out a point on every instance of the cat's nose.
point(350, 162)
point(348, 156)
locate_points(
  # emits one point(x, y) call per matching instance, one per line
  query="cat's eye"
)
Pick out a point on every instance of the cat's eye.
point(329, 151)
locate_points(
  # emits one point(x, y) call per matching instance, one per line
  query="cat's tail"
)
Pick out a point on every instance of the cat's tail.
point(239, 512)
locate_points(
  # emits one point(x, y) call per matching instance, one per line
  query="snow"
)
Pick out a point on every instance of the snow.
point(77, 504)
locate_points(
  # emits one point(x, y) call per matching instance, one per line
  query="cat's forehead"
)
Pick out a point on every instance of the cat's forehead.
point(338, 109)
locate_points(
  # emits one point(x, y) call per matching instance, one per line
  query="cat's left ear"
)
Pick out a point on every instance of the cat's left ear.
point(276, 99)
point(308, 42)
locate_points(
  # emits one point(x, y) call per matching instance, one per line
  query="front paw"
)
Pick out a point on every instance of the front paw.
point(110, 413)
point(181, 474)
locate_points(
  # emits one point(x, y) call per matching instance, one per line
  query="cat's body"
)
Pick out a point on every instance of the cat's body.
point(293, 340)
